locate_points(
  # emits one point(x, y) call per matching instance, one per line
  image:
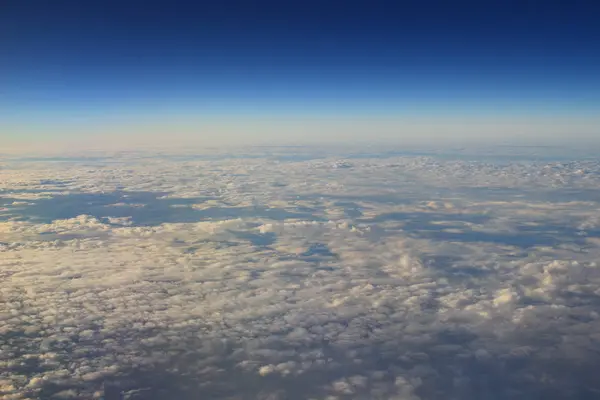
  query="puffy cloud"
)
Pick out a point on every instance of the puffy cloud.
point(383, 280)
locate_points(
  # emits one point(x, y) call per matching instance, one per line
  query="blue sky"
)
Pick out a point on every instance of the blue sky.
point(67, 65)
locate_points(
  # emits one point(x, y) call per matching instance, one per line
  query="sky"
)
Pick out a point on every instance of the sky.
point(116, 72)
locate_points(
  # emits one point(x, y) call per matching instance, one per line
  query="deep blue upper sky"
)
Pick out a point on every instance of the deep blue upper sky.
point(107, 56)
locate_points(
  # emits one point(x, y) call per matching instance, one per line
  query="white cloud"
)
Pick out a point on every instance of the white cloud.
point(287, 291)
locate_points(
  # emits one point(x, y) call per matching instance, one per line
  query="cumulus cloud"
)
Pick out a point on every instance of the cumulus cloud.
point(380, 278)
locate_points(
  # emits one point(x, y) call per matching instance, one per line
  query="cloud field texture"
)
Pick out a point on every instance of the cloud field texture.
point(278, 276)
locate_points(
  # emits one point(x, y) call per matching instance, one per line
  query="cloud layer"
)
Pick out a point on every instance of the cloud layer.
point(256, 278)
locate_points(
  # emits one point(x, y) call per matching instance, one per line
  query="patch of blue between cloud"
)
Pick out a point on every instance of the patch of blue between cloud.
point(155, 210)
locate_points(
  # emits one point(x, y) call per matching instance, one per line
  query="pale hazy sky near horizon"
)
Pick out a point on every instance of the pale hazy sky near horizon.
point(110, 74)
